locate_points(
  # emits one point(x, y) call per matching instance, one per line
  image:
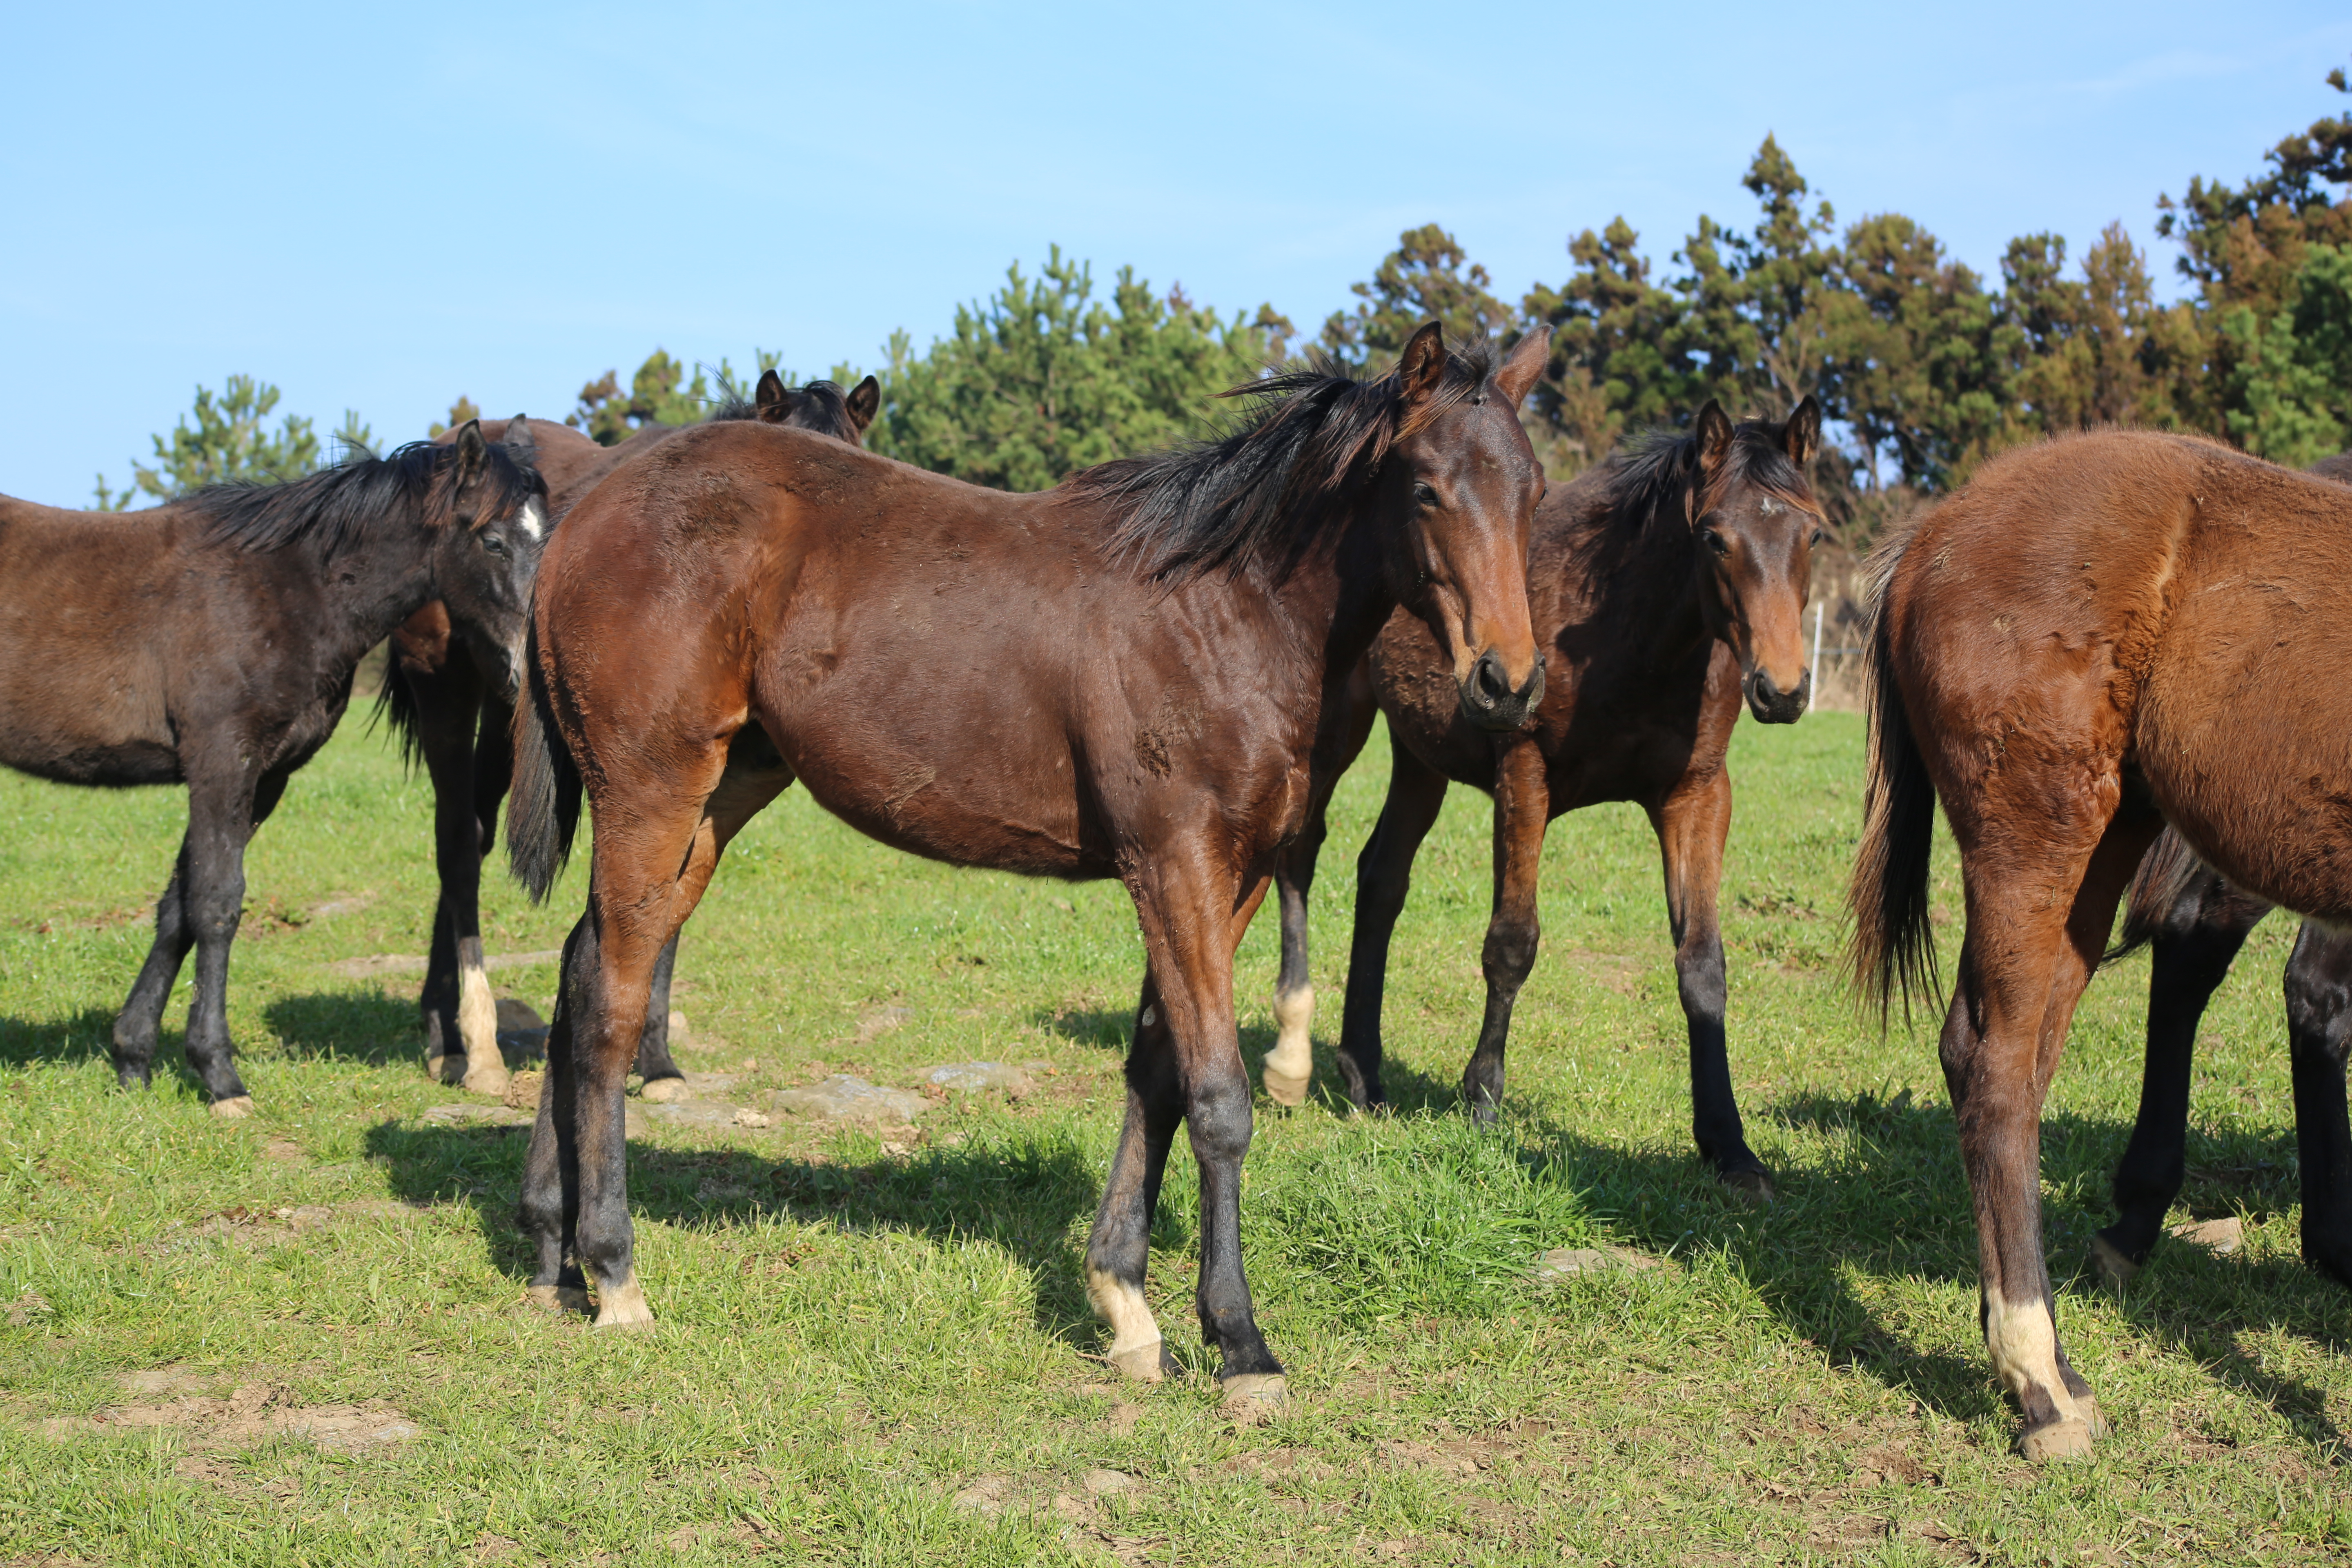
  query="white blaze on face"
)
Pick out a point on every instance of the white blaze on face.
point(1135, 1335)
point(533, 520)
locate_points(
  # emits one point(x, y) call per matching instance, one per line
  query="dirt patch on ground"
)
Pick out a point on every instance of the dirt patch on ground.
point(249, 1413)
point(253, 1227)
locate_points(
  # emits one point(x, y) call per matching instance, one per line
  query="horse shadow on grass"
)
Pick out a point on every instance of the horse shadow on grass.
point(365, 1026)
point(1889, 1199)
point(1022, 1191)
point(86, 1035)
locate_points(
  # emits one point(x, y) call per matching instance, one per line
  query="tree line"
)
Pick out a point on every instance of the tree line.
point(1923, 366)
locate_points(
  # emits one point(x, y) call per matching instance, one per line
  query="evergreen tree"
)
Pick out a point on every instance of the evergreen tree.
point(655, 397)
point(1423, 279)
point(227, 445)
point(465, 408)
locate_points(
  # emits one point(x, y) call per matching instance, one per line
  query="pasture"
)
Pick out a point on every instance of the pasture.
point(301, 1338)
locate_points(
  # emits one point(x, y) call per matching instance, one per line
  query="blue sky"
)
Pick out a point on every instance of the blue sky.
point(379, 213)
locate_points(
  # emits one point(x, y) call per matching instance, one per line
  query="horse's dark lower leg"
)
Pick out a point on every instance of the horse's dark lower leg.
point(220, 821)
point(2193, 956)
point(1119, 1249)
point(1290, 1065)
point(141, 1018)
point(461, 1017)
point(550, 1210)
point(1522, 810)
point(1693, 824)
point(1384, 876)
point(654, 1063)
point(2319, 1032)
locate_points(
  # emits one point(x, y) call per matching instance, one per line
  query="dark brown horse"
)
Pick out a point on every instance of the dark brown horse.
point(1665, 587)
point(212, 641)
point(2097, 637)
point(459, 724)
point(1119, 677)
point(2197, 922)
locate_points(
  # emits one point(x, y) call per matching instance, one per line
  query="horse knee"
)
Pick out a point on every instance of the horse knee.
point(2318, 1004)
point(1699, 978)
point(1218, 1118)
point(1510, 953)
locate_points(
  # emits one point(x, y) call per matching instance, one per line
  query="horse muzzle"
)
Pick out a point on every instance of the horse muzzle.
point(1770, 704)
point(1489, 702)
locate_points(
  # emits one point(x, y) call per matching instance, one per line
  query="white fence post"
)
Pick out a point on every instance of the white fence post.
point(1816, 696)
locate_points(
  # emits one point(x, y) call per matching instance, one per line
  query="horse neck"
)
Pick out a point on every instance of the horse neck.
point(1336, 596)
point(1649, 581)
point(371, 587)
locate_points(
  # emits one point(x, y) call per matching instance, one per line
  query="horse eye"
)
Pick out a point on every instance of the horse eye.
point(1424, 494)
point(1821, 536)
point(1716, 542)
point(494, 544)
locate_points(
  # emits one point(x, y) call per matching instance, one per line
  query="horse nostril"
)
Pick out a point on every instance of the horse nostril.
point(1493, 685)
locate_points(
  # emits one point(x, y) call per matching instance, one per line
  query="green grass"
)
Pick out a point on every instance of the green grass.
point(853, 1333)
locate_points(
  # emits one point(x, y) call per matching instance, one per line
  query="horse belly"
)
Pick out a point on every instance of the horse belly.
point(969, 799)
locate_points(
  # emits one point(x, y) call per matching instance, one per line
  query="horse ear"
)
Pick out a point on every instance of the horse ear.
point(519, 441)
point(1422, 364)
point(863, 399)
point(1802, 437)
point(1713, 428)
point(1524, 366)
point(776, 403)
point(473, 453)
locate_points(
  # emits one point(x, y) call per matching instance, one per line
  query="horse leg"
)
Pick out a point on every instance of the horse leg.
point(1693, 824)
point(1119, 1248)
point(2193, 955)
point(221, 817)
point(2319, 1030)
point(2036, 927)
point(136, 1026)
point(653, 861)
point(461, 1018)
point(664, 1080)
point(1290, 1065)
point(550, 1209)
point(1383, 875)
point(1522, 812)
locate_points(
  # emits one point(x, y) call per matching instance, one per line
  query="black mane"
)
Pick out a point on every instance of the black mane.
point(832, 417)
point(1307, 439)
point(1652, 472)
point(338, 507)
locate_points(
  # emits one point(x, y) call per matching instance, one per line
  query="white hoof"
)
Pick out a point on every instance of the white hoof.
point(1145, 1364)
point(622, 1306)
point(559, 1299)
point(2114, 1268)
point(1284, 1089)
point(235, 1106)
point(2058, 1440)
point(662, 1090)
point(1254, 1395)
point(487, 1075)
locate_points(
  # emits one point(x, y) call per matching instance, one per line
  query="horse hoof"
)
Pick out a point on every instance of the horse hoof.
point(662, 1090)
point(233, 1107)
point(559, 1299)
point(2057, 1440)
point(622, 1306)
point(1284, 1089)
point(2115, 1268)
point(1254, 1395)
point(491, 1077)
point(1753, 1186)
point(1147, 1363)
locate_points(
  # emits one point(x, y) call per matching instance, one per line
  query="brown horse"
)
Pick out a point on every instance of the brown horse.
point(2098, 636)
point(212, 640)
point(1120, 678)
point(459, 724)
point(2197, 922)
point(1665, 587)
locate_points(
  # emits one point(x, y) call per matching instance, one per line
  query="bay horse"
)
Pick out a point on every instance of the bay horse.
point(2197, 922)
point(1122, 677)
point(2097, 636)
point(212, 640)
point(1667, 589)
point(458, 722)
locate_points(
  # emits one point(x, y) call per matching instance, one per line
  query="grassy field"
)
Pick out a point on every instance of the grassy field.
point(302, 1339)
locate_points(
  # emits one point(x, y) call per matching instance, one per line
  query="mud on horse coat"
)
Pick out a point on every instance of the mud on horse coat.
point(1667, 587)
point(2098, 636)
point(458, 722)
point(1120, 678)
point(2197, 922)
point(212, 641)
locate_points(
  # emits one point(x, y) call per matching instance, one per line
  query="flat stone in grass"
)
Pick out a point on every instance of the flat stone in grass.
point(969, 1078)
point(462, 1114)
point(2222, 1236)
point(842, 1098)
point(1562, 1262)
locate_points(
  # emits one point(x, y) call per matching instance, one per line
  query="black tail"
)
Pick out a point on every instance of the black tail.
point(2168, 874)
point(1894, 946)
point(395, 704)
point(543, 810)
